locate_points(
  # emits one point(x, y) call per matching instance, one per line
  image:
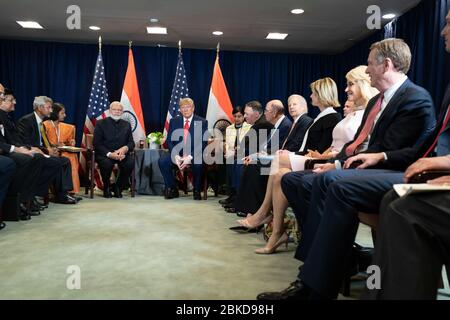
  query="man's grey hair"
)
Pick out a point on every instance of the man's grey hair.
point(41, 101)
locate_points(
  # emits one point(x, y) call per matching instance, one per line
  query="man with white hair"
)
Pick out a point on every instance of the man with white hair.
point(113, 142)
point(56, 169)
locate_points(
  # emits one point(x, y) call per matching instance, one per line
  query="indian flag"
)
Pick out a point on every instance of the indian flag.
point(219, 104)
point(132, 102)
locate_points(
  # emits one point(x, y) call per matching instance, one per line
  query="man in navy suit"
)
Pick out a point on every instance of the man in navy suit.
point(326, 201)
point(413, 240)
point(274, 113)
point(186, 139)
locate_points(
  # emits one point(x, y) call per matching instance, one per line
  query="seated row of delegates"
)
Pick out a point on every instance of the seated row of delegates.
point(359, 92)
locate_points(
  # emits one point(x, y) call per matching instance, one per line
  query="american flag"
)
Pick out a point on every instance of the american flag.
point(97, 108)
point(179, 91)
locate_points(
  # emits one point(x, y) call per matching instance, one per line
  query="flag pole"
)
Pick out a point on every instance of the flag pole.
point(218, 50)
point(100, 43)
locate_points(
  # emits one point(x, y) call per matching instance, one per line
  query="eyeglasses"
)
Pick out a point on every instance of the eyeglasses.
point(11, 100)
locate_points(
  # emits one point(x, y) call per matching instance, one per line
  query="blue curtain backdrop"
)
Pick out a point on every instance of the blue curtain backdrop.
point(64, 71)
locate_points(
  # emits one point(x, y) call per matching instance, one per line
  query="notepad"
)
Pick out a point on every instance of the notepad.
point(410, 188)
point(70, 149)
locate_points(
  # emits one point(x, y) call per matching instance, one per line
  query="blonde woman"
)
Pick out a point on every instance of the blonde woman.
point(359, 92)
point(317, 137)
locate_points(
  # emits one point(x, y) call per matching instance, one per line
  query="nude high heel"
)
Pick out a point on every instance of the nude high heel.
point(266, 250)
point(244, 222)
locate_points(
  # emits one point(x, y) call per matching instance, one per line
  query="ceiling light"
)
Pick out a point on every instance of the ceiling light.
point(276, 36)
point(95, 28)
point(389, 16)
point(30, 25)
point(156, 30)
point(217, 33)
point(297, 11)
point(154, 20)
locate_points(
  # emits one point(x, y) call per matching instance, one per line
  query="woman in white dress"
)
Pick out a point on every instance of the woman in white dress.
point(359, 92)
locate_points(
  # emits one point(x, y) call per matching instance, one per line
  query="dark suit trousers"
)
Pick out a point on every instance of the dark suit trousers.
point(332, 223)
point(106, 166)
point(413, 242)
point(252, 188)
point(167, 170)
point(7, 168)
point(26, 179)
point(56, 170)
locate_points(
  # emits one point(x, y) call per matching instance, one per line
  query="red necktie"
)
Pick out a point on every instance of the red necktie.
point(444, 124)
point(186, 130)
point(350, 150)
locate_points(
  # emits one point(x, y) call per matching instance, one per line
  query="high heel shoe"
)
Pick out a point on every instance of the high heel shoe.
point(266, 250)
point(245, 223)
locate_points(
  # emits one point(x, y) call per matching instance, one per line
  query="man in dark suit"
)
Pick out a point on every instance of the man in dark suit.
point(253, 143)
point(113, 142)
point(413, 231)
point(7, 168)
point(187, 139)
point(326, 202)
point(274, 113)
point(55, 169)
point(23, 187)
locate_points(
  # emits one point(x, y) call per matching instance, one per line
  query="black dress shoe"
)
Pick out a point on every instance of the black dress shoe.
point(296, 291)
point(25, 216)
point(241, 214)
point(197, 195)
point(170, 193)
point(227, 201)
point(231, 210)
point(107, 193)
point(66, 199)
point(117, 192)
point(2, 225)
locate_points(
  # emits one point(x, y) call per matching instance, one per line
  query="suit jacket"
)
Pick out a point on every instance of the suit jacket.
point(11, 136)
point(443, 145)
point(195, 142)
point(320, 135)
point(110, 135)
point(405, 123)
point(282, 131)
point(295, 139)
point(29, 131)
point(256, 137)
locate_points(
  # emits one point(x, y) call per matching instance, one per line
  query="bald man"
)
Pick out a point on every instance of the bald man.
point(113, 142)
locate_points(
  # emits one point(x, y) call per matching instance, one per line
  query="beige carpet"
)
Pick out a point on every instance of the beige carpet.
point(141, 248)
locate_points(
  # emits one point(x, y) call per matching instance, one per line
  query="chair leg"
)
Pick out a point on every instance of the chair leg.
point(133, 183)
point(92, 174)
point(205, 186)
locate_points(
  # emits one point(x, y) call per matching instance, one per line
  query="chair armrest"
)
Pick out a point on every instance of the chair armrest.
point(424, 176)
point(310, 163)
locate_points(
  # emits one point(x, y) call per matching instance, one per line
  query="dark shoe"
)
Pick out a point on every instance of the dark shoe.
point(197, 195)
point(41, 203)
point(66, 199)
point(227, 201)
point(242, 229)
point(2, 225)
point(25, 217)
point(117, 192)
point(231, 210)
point(296, 291)
point(171, 193)
point(35, 206)
point(29, 212)
point(77, 198)
point(106, 192)
point(241, 214)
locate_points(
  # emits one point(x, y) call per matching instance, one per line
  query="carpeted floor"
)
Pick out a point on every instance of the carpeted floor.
point(141, 248)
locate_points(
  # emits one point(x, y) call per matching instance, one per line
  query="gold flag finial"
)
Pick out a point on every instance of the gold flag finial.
point(179, 46)
point(130, 43)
